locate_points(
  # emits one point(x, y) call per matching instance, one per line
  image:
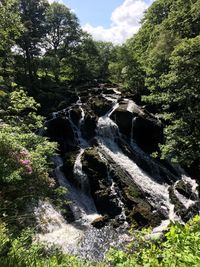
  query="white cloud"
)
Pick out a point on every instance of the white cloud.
point(125, 21)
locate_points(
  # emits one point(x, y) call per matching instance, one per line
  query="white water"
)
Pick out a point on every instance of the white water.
point(112, 98)
point(55, 230)
point(58, 231)
point(107, 132)
point(81, 204)
point(193, 185)
point(122, 216)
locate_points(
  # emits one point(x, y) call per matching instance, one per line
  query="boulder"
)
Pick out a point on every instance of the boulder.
point(100, 105)
point(142, 126)
point(89, 126)
point(68, 163)
point(123, 119)
point(100, 222)
point(96, 171)
point(75, 115)
point(185, 189)
point(147, 134)
point(60, 130)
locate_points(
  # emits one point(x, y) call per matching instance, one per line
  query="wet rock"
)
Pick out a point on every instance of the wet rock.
point(147, 133)
point(137, 123)
point(68, 163)
point(100, 222)
point(178, 207)
point(60, 130)
point(185, 189)
point(137, 209)
point(100, 106)
point(75, 115)
point(185, 213)
point(89, 126)
point(96, 171)
point(123, 119)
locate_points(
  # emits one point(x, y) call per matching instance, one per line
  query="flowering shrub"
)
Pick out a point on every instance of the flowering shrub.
point(23, 155)
point(25, 162)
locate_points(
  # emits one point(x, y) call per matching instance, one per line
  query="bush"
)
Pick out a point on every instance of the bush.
point(181, 248)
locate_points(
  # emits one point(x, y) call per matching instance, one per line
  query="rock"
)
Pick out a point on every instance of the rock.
point(123, 119)
point(137, 209)
point(137, 123)
point(185, 189)
point(75, 115)
point(147, 134)
point(60, 130)
point(68, 163)
point(89, 126)
point(96, 171)
point(179, 208)
point(100, 105)
point(100, 222)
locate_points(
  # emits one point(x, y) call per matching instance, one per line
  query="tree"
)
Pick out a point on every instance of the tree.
point(10, 29)
point(126, 70)
point(33, 14)
point(63, 36)
point(167, 53)
point(180, 102)
point(105, 55)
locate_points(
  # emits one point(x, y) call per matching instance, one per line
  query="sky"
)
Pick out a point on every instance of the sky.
point(109, 20)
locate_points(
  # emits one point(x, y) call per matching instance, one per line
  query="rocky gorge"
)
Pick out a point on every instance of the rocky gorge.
point(113, 183)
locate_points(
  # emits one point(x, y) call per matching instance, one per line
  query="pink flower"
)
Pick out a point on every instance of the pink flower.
point(25, 161)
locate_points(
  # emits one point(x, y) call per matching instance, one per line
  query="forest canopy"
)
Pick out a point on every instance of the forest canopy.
point(161, 63)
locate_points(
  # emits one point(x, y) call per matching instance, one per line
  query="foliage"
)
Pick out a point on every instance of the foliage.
point(180, 87)
point(10, 30)
point(63, 35)
point(23, 252)
point(18, 109)
point(23, 154)
point(32, 13)
point(25, 160)
point(125, 70)
point(165, 55)
point(45, 51)
point(180, 248)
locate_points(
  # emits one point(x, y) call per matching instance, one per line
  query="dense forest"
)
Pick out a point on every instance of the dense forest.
point(45, 58)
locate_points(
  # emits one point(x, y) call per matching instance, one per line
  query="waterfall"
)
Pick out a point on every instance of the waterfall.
point(132, 126)
point(107, 132)
point(159, 187)
point(115, 193)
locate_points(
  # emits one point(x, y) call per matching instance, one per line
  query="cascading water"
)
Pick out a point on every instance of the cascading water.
point(107, 132)
point(80, 237)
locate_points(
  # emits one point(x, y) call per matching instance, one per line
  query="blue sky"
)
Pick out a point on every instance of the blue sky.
point(94, 12)
point(109, 20)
